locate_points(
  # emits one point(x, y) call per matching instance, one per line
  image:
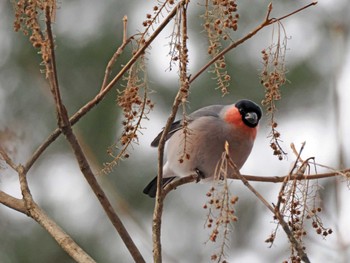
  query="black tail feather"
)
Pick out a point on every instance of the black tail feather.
point(151, 188)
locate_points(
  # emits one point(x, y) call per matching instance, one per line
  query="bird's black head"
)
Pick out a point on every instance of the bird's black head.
point(250, 111)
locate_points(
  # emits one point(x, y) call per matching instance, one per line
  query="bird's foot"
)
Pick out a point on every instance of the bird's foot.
point(200, 175)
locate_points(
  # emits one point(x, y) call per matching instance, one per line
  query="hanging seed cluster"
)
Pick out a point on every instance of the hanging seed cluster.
point(152, 17)
point(220, 20)
point(186, 139)
point(27, 20)
point(27, 15)
point(135, 106)
point(156, 10)
point(272, 78)
point(221, 214)
point(317, 222)
point(222, 17)
point(134, 109)
point(298, 206)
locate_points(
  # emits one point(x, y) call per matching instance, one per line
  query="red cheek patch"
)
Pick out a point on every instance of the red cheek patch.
point(233, 117)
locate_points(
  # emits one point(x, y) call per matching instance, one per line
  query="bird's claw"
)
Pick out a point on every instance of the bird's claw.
point(200, 175)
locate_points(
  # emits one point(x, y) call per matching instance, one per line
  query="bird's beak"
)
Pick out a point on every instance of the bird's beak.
point(251, 117)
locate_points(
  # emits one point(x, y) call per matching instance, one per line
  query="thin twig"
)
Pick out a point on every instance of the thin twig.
point(176, 183)
point(298, 247)
point(51, 72)
point(268, 21)
point(116, 55)
point(125, 28)
point(244, 180)
point(279, 179)
point(284, 184)
point(297, 11)
point(262, 179)
point(158, 209)
point(7, 158)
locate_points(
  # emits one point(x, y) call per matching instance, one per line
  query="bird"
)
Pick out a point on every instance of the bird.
point(208, 129)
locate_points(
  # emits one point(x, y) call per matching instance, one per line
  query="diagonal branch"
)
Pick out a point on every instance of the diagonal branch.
point(268, 21)
point(295, 243)
point(34, 211)
point(100, 96)
point(65, 127)
point(7, 158)
point(116, 55)
point(29, 207)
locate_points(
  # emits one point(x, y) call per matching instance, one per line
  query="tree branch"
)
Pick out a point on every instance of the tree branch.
point(34, 211)
point(100, 96)
point(277, 179)
point(12, 202)
point(29, 207)
point(181, 94)
point(116, 55)
point(65, 127)
point(263, 179)
point(7, 158)
point(268, 21)
point(298, 247)
point(280, 179)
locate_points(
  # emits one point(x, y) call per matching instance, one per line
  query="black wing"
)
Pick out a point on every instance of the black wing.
point(175, 126)
point(151, 188)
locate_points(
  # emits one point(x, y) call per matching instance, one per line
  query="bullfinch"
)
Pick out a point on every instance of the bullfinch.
point(207, 131)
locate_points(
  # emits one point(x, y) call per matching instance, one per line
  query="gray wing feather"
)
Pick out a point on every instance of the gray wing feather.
point(213, 110)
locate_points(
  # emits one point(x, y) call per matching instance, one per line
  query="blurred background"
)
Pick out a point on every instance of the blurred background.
point(314, 108)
